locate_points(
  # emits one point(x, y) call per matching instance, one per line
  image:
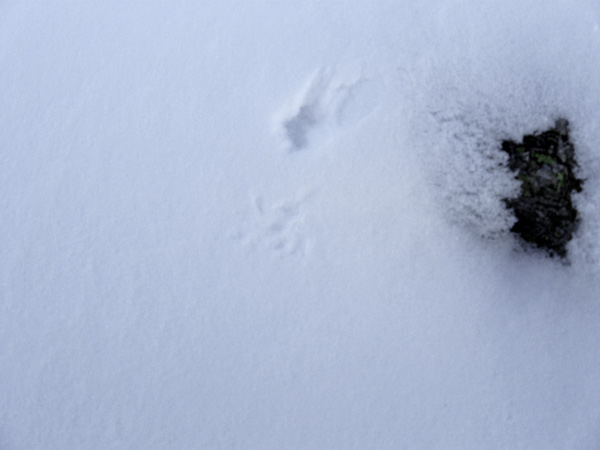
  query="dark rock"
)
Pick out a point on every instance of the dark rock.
point(545, 165)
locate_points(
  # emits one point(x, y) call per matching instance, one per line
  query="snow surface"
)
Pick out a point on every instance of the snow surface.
point(278, 225)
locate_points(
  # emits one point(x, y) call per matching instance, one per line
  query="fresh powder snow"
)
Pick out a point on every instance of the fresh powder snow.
point(279, 225)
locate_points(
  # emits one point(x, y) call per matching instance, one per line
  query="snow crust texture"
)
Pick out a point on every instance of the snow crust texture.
point(278, 225)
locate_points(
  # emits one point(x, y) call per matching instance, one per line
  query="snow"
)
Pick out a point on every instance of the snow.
point(268, 225)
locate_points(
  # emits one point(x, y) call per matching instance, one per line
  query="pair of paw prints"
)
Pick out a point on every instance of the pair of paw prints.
point(330, 103)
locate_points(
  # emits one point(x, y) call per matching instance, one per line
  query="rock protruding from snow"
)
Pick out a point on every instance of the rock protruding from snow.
point(545, 165)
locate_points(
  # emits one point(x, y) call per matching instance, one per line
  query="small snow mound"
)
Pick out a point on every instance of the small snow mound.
point(459, 126)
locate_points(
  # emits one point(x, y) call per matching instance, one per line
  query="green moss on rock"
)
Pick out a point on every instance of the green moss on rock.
point(545, 165)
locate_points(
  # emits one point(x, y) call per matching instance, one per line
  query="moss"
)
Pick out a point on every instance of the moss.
point(560, 180)
point(544, 159)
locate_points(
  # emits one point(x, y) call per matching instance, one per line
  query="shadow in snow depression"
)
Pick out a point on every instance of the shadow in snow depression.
point(327, 105)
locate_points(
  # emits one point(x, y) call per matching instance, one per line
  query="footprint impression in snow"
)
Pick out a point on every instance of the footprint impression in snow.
point(327, 104)
point(278, 227)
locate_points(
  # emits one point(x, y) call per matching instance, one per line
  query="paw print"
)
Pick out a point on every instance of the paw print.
point(278, 227)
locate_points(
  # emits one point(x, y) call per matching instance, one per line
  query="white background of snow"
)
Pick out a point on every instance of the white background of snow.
point(178, 271)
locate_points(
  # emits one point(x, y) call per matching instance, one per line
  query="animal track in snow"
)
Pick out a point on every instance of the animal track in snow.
point(278, 227)
point(328, 102)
